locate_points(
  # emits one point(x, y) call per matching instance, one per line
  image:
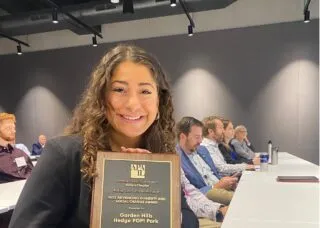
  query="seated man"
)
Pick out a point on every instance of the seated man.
point(204, 208)
point(188, 218)
point(38, 146)
point(14, 163)
point(241, 144)
point(213, 133)
point(197, 164)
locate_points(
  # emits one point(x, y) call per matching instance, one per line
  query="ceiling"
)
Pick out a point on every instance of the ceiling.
point(18, 6)
point(22, 17)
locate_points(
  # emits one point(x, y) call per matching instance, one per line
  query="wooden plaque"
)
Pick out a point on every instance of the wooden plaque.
point(134, 190)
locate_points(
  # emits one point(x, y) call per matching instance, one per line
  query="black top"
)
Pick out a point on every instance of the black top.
point(228, 158)
point(226, 154)
point(55, 194)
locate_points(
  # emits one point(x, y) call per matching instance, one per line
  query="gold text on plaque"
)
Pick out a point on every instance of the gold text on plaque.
point(138, 171)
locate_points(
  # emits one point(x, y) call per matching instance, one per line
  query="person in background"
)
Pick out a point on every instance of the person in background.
point(14, 163)
point(239, 143)
point(127, 107)
point(227, 151)
point(188, 217)
point(204, 208)
point(23, 147)
point(249, 144)
point(229, 155)
point(37, 147)
point(213, 135)
point(198, 165)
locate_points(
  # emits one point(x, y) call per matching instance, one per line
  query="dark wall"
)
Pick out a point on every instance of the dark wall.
point(265, 77)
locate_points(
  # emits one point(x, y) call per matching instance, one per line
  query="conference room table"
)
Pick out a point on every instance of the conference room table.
point(34, 159)
point(9, 195)
point(261, 201)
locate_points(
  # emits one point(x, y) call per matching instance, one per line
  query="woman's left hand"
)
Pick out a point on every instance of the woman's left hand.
point(134, 150)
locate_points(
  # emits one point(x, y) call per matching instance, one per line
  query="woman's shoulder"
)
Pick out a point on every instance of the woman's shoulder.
point(68, 144)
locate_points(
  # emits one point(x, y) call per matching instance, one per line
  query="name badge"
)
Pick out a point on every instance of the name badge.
point(21, 161)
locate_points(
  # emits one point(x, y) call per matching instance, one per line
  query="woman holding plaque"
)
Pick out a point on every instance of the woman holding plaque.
point(126, 107)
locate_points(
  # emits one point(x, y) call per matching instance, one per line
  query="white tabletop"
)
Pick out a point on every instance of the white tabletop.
point(3, 209)
point(9, 194)
point(261, 201)
point(34, 157)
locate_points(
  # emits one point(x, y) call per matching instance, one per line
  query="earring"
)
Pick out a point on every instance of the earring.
point(158, 116)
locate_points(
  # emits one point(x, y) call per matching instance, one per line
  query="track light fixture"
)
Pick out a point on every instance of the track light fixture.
point(306, 16)
point(306, 12)
point(94, 41)
point(19, 42)
point(191, 22)
point(190, 30)
point(173, 3)
point(55, 16)
point(128, 6)
point(57, 8)
point(19, 49)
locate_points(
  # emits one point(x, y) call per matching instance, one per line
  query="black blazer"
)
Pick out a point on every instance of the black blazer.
point(227, 156)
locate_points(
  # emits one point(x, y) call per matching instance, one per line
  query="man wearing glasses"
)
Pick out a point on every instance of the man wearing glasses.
point(198, 165)
point(241, 144)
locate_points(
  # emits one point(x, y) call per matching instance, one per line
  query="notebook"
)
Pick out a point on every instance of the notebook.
point(308, 179)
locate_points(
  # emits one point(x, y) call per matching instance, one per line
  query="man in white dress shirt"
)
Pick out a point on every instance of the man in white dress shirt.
point(213, 135)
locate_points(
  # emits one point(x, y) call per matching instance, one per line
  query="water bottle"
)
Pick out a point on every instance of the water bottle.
point(264, 158)
point(275, 156)
point(270, 151)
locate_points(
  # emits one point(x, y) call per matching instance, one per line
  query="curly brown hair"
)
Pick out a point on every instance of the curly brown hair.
point(89, 117)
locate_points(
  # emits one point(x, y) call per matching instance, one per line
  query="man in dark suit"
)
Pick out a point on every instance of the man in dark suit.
point(38, 146)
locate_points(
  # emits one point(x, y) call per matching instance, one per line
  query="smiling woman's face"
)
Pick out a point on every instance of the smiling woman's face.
point(132, 99)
